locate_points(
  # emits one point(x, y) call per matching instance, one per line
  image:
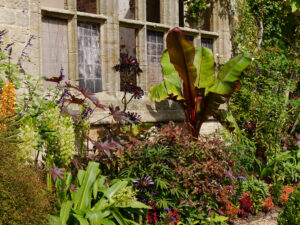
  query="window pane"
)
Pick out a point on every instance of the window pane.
point(155, 45)
point(89, 68)
point(206, 20)
point(190, 38)
point(153, 11)
point(127, 9)
point(54, 46)
point(127, 49)
point(88, 6)
point(181, 13)
point(207, 42)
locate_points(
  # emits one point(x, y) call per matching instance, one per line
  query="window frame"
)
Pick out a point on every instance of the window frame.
point(106, 18)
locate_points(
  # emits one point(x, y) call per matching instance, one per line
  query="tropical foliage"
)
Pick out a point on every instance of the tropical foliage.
point(189, 79)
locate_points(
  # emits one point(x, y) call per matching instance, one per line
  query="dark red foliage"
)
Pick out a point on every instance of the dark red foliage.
point(87, 94)
point(152, 216)
point(106, 146)
point(128, 63)
point(118, 115)
point(74, 100)
point(246, 205)
point(199, 166)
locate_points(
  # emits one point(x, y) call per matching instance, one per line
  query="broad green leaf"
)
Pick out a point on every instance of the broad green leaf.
point(101, 204)
point(96, 217)
point(131, 222)
point(171, 77)
point(68, 181)
point(65, 212)
point(108, 222)
point(230, 73)
point(80, 176)
point(83, 197)
point(82, 221)
point(232, 69)
point(110, 192)
point(119, 218)
point(171, 85)
point(158, 92)
point(101, 182)
point(95, 188)
point(136, 205)
point(222, 87)
point(54, 220)
point(182, 55)
point(205, 65)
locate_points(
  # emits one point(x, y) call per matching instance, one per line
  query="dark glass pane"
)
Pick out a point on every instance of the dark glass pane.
point(153, 11)
point(181, 13)
point(155, 46)
point(89, 68)
point(88, 6)
point(207, 42)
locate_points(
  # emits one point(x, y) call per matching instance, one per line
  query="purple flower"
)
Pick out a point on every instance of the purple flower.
point(167, 209)
point(257, 86)
point(241, 178)
point(56, 172)
point(73, 188)
point(229, 175)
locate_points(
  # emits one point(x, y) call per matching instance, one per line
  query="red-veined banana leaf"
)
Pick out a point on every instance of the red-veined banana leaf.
point(189, 78)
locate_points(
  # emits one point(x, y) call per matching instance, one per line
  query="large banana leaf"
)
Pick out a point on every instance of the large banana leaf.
point(171, 85)
point(82, 199)
point(205, 65)
point(182, 55)
point(229, 74)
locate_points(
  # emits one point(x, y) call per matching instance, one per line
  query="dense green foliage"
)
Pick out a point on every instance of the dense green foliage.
point(291, 212)
point(94, 202)
point(188, 175)
point(267, 105)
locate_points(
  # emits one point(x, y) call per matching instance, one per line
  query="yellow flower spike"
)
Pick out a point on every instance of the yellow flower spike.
point(7, 101)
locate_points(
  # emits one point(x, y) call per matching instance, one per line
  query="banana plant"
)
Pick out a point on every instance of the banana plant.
point(189, 79)
point(95, 203)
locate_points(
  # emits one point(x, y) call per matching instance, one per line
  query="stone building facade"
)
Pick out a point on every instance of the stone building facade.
point(85, 37)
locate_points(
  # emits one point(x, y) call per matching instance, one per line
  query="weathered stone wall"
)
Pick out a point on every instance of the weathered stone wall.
point(24, 18)
point(21, 18)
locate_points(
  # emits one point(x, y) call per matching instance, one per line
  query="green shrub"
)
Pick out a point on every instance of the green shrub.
point(291, 212)
point(257, 189)
point(188, 175)
point(23, 196)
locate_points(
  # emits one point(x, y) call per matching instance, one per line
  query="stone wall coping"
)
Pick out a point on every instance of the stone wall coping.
point(60, 13)
point(131, 23)
point(190, 30)
point(209, 33)
point(91, 17)
point(158, 26)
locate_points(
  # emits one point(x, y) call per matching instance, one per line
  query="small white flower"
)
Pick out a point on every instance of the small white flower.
point(252, 59)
